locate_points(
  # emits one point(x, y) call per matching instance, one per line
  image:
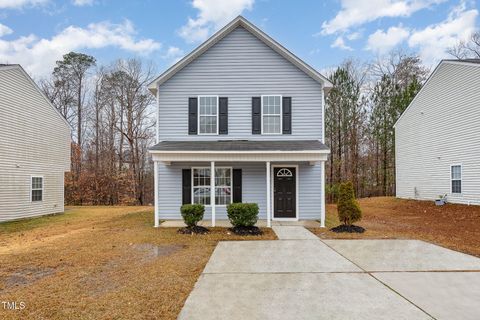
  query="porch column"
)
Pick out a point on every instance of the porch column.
point(212, 190)
point(269, 223)
point(322, 198)
point(155, 190)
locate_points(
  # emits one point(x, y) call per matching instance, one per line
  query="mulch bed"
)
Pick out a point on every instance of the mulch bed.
point(247, 231)
point(193, 230)
point(350, 229)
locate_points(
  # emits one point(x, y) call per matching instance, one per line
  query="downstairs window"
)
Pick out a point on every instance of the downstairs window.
point(36, 189)
point(456, 178)
point(201, 186)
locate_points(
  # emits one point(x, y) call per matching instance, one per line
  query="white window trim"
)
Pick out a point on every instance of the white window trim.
point(231, 185)
point(31, 188)
point(281, 113)
point(198, 115)
point(461, 179)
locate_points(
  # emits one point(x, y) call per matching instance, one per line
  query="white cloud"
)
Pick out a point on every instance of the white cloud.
point(340, 43)
point(382, 42)
point(18, 4)
point(4, 30)
point(174, 54)
point(212, 15)
point(433, 41)
point(354, 36)
point(38, 55)
point(82, 3)
point(357, 12)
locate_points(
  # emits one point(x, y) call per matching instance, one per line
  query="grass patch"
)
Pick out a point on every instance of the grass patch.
point(452, 226)
point(102, 263)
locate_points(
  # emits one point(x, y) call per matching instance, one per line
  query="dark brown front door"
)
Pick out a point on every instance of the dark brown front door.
point(284, 192)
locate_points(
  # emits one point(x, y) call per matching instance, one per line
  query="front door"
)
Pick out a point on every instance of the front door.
point(284, 192)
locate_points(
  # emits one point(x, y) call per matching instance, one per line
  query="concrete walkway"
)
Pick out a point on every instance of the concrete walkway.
point(293, 233)
point(302, 277)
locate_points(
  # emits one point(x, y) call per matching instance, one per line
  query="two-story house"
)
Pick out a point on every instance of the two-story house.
point(437, 138)
point(240, 119)
point(34, 148)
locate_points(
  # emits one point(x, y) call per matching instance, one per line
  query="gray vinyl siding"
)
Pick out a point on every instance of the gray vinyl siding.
point(239, 67)
point(441, 128)
point(34, 140)
point(253, 189)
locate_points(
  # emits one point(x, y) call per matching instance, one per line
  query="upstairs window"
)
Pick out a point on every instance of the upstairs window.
point(208, 115)
point(456, 178)
point(37, 189)
point(271, 114)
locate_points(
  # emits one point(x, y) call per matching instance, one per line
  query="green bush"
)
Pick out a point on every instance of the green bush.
point(192, 213)
point(348, 209)
point(242, 214)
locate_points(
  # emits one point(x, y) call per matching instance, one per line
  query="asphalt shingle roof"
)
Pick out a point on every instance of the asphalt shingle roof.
point(240, 145)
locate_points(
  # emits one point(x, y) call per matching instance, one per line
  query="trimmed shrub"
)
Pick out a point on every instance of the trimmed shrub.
point(348, 209)
point(192, 213)
point(242, 214)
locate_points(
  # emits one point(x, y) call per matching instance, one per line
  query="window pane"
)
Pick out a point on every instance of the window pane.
point(277, 101)
point(456, 186)
point(37, 195)
point(201, 195)
point(456, 172)
point(271, 124)
point(37, 182)
point(223, 195)
point(201, 177)
point(208, 124)
point(222, 177)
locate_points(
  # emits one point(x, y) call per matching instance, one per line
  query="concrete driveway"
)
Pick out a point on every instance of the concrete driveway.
point(302, 277)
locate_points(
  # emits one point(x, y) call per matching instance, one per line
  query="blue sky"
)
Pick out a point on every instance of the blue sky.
point(35, 33)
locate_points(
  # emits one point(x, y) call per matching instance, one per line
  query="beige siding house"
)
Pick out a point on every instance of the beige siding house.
point(34, 148)
point(438, 137)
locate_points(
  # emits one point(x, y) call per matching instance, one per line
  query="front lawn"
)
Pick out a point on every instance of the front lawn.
point(453, 226)
point(101, 263)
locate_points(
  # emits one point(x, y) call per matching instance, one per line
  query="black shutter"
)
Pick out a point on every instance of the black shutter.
point(237, 185)
point(192, 115)
point(186, 186)
point(287, 115)
point(256, 115)
point(223, 115)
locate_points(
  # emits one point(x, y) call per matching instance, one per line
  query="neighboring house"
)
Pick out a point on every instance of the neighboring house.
point(437, 138)
point(240, 119)
point(34, 148)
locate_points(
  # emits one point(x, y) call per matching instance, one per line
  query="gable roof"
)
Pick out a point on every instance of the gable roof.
point(219, 35)
point(475, 62)
point(4, 67)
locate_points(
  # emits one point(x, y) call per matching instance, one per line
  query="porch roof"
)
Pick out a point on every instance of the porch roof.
point(240, 146)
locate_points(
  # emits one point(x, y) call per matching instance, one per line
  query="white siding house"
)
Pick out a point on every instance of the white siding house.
point(437, 138)
point(34, 148)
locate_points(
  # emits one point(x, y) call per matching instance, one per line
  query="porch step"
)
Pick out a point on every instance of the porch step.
point(293, 233)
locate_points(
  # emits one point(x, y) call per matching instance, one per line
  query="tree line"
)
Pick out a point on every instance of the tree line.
point(112, 115)
point(361, 110)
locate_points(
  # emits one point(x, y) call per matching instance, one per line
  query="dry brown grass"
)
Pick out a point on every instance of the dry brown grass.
point(101, 263)
point(453, 226)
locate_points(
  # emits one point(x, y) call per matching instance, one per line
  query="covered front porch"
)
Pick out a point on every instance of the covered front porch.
point(285, 179)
